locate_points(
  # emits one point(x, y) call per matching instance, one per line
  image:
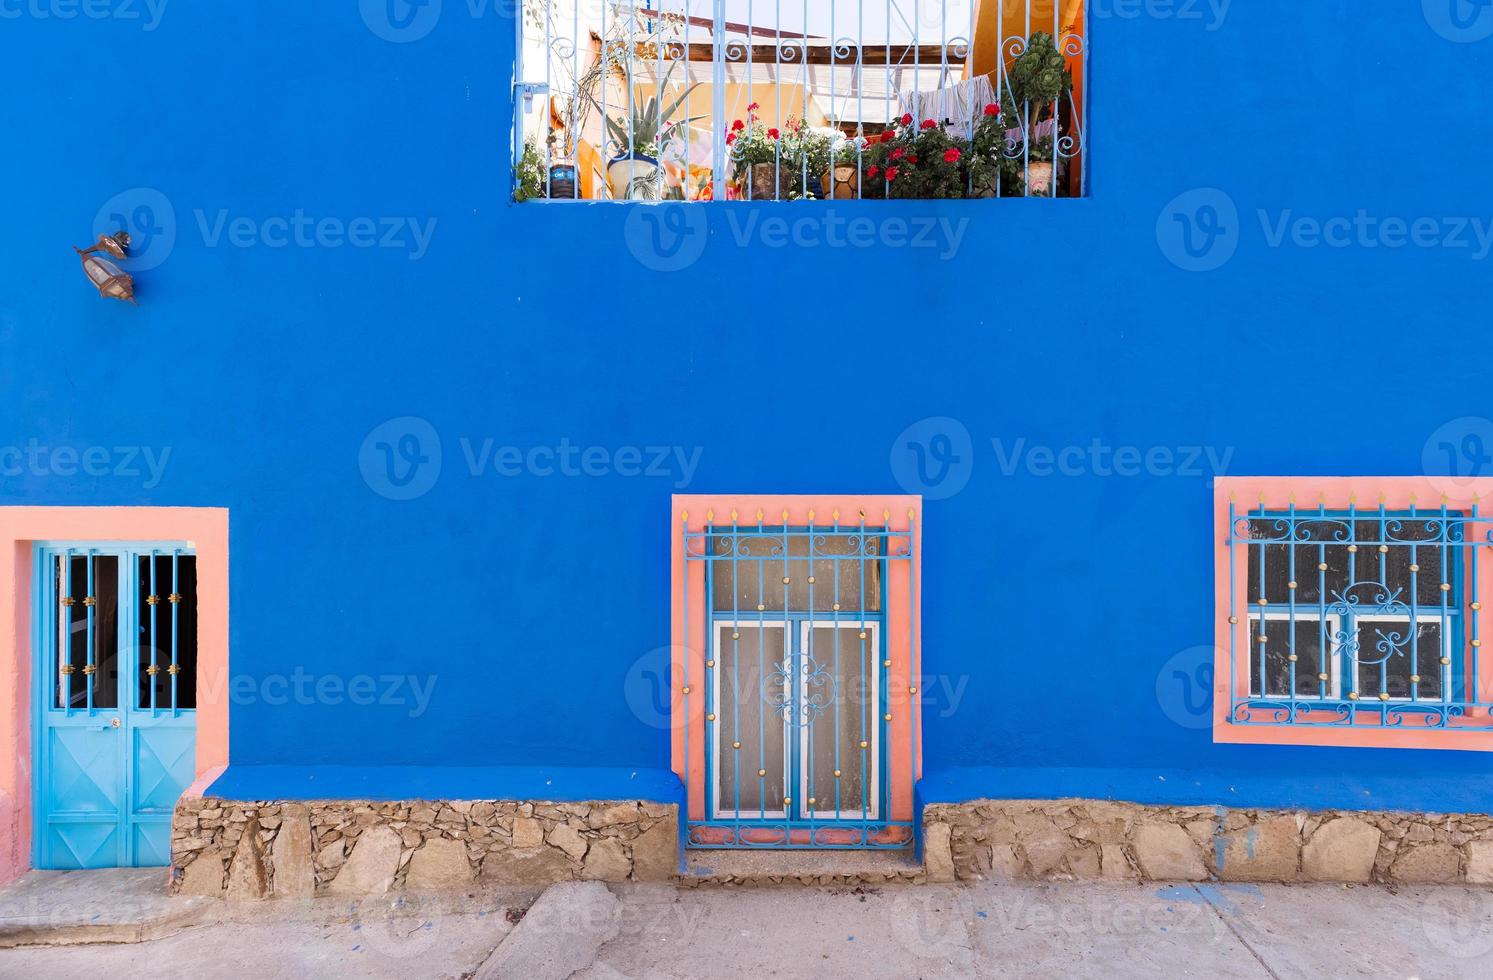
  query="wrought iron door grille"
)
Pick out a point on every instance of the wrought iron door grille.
point(797, 699)
point(666, 87)
point(1357, 617)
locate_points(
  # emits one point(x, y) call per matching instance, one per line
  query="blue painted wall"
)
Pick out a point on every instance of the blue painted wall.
point(529, 598)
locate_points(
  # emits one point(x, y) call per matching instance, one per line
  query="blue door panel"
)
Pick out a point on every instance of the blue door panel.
point(106, 780)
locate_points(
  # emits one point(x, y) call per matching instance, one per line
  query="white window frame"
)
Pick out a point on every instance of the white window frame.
point(873, 775)
point(717, 808)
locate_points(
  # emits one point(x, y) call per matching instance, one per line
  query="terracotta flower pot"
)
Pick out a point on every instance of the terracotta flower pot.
point(771, 183)
point(840, 183)
point(1039, 178)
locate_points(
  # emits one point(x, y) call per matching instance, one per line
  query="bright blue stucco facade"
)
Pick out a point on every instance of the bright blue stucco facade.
point(538, 603)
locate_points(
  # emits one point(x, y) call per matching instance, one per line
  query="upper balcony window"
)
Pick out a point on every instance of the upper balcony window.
point(700, 100)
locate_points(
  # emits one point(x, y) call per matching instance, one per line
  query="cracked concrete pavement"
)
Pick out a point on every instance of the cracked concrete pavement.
point(936, 931)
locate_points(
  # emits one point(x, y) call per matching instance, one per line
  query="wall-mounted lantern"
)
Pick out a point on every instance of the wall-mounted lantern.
point(106, 277)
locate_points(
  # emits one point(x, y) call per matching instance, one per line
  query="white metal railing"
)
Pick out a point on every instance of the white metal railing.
point(700, 100)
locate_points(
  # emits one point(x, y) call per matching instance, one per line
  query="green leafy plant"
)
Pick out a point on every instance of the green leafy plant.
point(752, 142)
point(807, 152)
point(528, 176)
point(645, 127)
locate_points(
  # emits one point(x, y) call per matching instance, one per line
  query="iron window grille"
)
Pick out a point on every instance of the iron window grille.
point(1356, 617)
point(605, 78)
point(798, 673)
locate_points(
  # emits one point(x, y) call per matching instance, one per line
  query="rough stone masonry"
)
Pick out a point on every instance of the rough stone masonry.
point(243, 850)
point(1096, 840)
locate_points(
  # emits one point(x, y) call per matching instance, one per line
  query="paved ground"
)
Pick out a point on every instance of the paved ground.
point(1216, 931)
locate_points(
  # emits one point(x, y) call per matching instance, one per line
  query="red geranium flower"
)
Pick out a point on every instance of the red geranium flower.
point(730, 138)
point(888, 136)
point(738, 125)
point(912, 158)
point(992, 109)
point(891, 173)
point(898, 153)
point(951, 155)
point(929, 124)
point(907, 119)
point(772, 134)
point(753, 107)
point(873, 171)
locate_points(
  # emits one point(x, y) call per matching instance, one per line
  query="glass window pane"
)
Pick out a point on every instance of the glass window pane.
point(1309, 633)
point(1387, 649)
point(1350, 550)
point(97, 669)
point(156, 631)
point(840, 668)
point(752, 690)
point(843, 569)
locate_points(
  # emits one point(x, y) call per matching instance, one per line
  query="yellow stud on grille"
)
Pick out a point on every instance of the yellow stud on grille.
point(863, 634)
point(837, 607)
point(1292, 658)
point(1263, 601)
point(1477, 605)
point(837, 774)
point(1290, 585)
point(1383, 695)
point(811, 580)
point(1383, 549)
point(710, 717)
point(1264, 640)
point(1415, 566)
point(912, 690)
point(887, 716)
point(686, 690)
point(787, 800)
point(865, 745)
point(1321, 677)
point(68, 600)
point(152, 670)
point(1352, 696)
point(174, 598)
point(1352, 549)
point(152, 600)
point(1234, 620)
point(735, 636)
point(89, 669)
point(1415, 678)
point(762, 772)
point(812, 801)
point(68, 668)
point(1321, 566)
point(1446, 587)
point(90, 601)
point(786, 580)
point(173, 670)
point(735, 745)
point(710, 663)
point(1477, 643)
point(760, 607)
point(1446, 661)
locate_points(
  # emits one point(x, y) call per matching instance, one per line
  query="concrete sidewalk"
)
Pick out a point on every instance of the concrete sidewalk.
point(895, 931)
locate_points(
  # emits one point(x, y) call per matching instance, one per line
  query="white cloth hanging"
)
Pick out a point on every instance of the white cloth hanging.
point(959, 107)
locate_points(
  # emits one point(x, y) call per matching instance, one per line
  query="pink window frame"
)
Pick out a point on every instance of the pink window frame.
point(1366, 493)
point(693, 513)
point(206, 528)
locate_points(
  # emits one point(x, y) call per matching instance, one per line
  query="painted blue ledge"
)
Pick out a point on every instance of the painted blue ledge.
point(1437, 792)
point(559, 784)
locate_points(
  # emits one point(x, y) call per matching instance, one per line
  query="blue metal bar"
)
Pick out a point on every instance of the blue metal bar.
point(152, 601)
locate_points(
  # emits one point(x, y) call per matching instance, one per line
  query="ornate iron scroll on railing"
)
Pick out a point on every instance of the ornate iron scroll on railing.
point(809, 718)
point(752, 100)
point(1357, 617)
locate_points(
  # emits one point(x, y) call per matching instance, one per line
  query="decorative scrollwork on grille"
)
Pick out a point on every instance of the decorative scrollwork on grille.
point(819, 687)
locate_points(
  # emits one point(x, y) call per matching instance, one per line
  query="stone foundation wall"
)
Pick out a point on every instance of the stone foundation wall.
point(345, 847)
point(1094, 840)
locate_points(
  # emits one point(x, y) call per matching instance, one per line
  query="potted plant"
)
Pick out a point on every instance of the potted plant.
point(841, 179)
point(635, 174)
point(990, 168)
point(1039, 80)
point(756, 154)
point(807, 151)
point(929, 162)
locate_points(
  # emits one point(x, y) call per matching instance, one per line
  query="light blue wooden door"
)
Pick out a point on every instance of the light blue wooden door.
point(115, 700)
